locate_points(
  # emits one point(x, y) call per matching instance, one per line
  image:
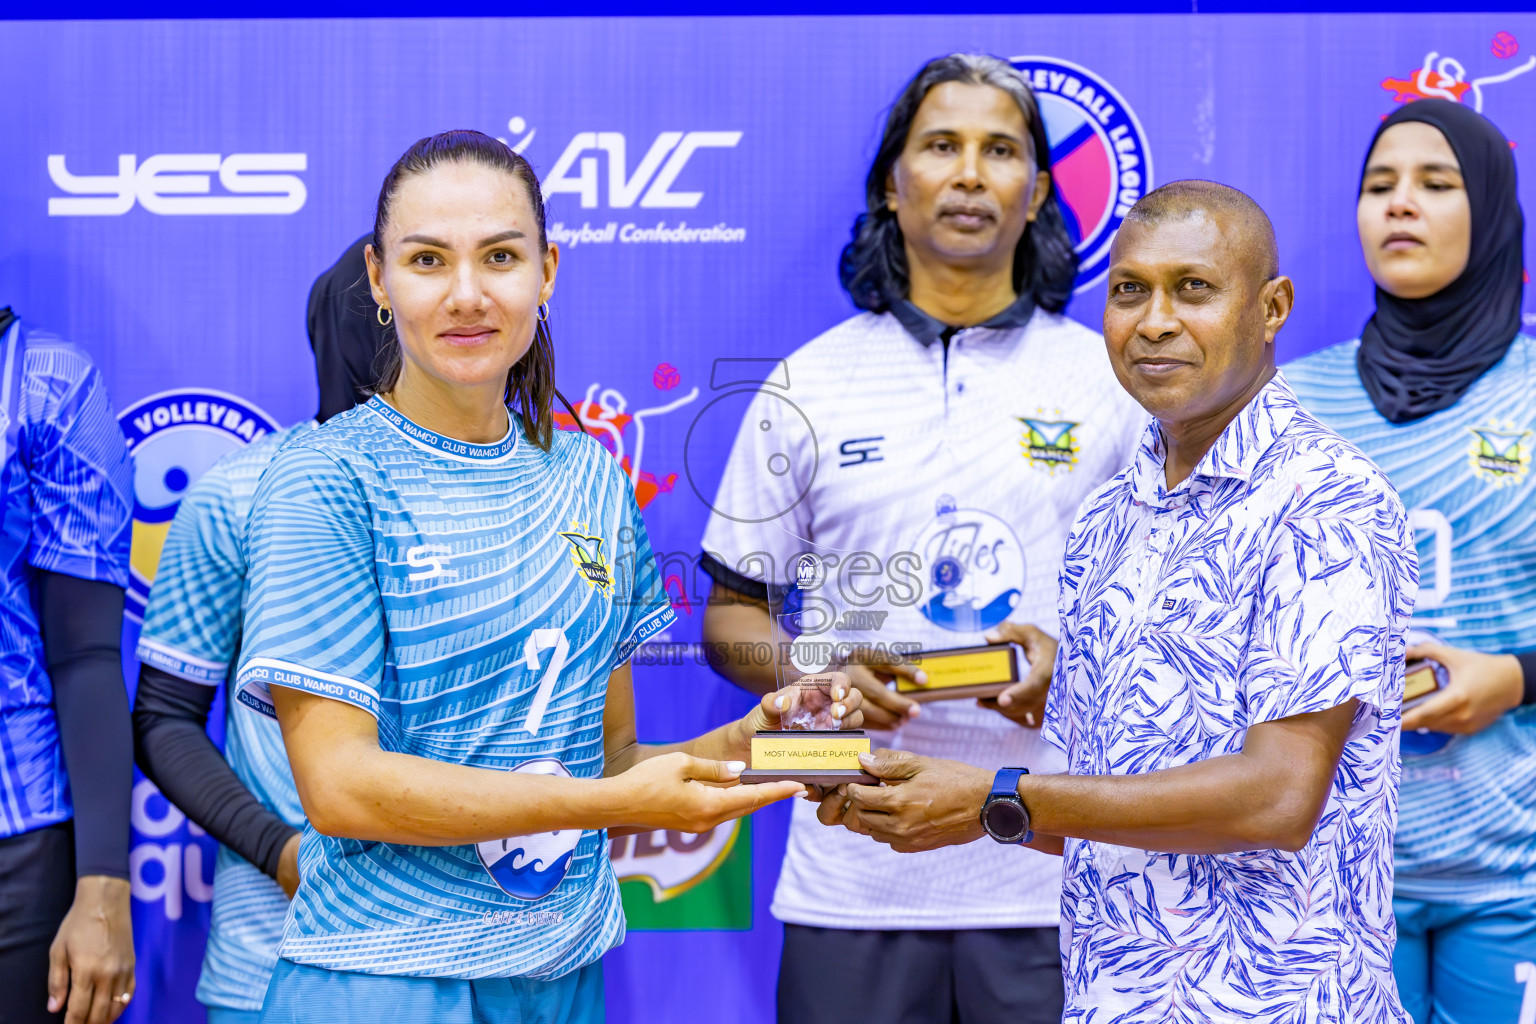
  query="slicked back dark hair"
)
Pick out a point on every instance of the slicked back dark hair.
point(531, 381)
point(873, 267)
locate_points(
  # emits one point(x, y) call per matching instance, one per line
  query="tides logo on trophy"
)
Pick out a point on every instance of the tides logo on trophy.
point(975, 568)
point(174, 436)
point(1100, 161)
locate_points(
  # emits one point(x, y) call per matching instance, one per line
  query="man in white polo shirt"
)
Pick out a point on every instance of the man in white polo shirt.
point(928, 456)
point(1230, 679)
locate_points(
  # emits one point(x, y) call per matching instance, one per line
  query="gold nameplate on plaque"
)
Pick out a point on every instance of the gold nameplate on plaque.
point(1420, 684)
point(965, 672)
point(818, 758)
point(813, 750)
point(1420, 679)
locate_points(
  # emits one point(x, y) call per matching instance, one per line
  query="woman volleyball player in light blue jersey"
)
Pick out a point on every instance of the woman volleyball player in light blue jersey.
point(444, 593)
point(1440, 391)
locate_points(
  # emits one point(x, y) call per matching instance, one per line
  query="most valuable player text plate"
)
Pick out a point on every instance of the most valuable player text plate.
point(812, 757)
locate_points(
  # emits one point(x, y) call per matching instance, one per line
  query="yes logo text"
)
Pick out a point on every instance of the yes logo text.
point(181, 184)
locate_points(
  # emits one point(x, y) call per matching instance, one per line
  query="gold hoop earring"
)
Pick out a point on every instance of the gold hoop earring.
point(385, 321)
point(543, 312)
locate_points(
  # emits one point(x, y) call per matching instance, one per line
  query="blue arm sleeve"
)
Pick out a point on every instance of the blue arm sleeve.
point(81, 485)
point(1527, 660)
point(82, 632)
point(170, 722)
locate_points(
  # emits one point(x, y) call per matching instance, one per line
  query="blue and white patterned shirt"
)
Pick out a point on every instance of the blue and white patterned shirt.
point(192, 631)
point(1467, 831)
point(474, 598)
point(1276, 580)
point(66, 506)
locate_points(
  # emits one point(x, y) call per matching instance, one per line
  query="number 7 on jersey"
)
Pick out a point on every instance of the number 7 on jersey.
point(542, 640)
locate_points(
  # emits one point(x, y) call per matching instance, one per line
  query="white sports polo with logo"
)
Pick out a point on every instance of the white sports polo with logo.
point(935, 490)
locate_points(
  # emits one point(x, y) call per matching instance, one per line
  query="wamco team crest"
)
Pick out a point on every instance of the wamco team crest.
point(1100, 161)
point(591, 563)
point(1501, 454)
point(1049, 443)
point(174, 436)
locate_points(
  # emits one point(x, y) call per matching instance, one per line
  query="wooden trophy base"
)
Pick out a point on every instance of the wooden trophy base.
point(961, 672)
point(814, 757)
point(829, 777)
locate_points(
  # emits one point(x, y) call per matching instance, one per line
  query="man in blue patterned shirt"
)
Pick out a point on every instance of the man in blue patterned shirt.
point(1229, 684)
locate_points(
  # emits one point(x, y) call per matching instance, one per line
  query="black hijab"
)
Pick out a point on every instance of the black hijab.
point(1418, 356)
point(344, 332)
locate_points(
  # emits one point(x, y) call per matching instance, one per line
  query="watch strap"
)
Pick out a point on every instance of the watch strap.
point(1006, 784)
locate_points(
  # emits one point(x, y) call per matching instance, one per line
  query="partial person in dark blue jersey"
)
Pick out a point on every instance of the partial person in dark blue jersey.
point(66, 754)
point(244, 797)
point(1440, 391)
point(444, 593)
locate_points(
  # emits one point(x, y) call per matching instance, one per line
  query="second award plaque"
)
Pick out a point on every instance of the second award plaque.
point(809, 747)
point(965, 672)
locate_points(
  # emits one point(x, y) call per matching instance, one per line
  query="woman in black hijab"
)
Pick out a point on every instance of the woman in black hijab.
point(1419, 353)
point(1440, 391)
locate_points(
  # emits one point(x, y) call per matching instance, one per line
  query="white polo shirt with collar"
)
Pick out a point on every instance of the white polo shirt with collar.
point(935, 485)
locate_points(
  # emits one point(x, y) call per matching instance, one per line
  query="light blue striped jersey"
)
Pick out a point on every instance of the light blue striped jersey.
point(66, 506)
point(192, 631)
point(1467, 822)
point(474, 598)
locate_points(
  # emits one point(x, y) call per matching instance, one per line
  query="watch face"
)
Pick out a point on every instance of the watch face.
point(1005, 819)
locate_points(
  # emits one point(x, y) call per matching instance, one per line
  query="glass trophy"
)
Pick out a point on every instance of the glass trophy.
point(809, 746)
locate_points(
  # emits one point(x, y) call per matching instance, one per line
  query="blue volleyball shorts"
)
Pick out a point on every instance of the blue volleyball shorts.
point(299, 994)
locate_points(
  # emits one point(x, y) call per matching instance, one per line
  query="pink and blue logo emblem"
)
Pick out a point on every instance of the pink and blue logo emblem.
point(1100, 161)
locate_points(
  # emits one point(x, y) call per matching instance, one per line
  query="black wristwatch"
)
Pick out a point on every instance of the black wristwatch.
point(1004, 815)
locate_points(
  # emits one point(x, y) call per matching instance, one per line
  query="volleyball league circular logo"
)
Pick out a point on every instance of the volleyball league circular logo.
point(1100, 161)
point(174, 436)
